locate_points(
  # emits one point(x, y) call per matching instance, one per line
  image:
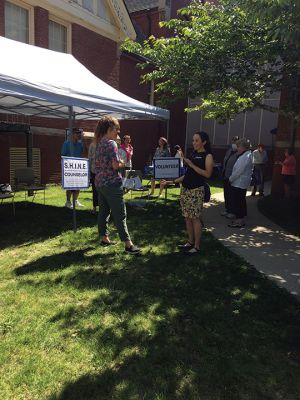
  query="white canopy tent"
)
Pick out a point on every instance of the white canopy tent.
point(45, 83)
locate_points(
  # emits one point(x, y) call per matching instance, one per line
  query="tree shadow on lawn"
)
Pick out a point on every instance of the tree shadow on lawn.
point(182, 328)
point(61, 261)
point(37, 222)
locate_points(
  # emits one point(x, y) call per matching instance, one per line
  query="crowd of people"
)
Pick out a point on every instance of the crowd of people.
point(109, 156)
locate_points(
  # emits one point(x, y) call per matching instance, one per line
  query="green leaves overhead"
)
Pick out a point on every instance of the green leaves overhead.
point(231, 56)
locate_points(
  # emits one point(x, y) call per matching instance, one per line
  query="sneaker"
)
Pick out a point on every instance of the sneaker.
point(134, 250)
point(68, 204)
point(224, 213)
point(77, 204)
point(230, 216)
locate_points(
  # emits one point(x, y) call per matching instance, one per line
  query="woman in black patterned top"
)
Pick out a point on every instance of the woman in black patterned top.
point(199, 168)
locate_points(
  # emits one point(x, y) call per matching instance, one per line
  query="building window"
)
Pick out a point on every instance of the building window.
point(16, 22)
point(58, 37)
point(96, 7)
point(88, 5)
point(101, 10)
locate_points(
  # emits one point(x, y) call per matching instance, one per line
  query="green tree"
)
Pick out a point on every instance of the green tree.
point(232, 56)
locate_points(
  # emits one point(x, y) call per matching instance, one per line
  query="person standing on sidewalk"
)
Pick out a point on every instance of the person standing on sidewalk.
point(73, 147)
point(259, 159)
point(228, 163)
point(108, 182)
point(239, 180)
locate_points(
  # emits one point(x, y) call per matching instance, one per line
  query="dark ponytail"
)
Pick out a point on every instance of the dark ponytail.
point(205, 138)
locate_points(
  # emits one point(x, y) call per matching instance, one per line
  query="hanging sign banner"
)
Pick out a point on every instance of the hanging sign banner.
point(75, 173)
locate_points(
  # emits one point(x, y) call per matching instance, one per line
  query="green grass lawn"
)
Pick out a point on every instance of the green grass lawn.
point(82, 322)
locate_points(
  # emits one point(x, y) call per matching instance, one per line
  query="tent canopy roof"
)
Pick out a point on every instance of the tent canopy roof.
point(37, 81)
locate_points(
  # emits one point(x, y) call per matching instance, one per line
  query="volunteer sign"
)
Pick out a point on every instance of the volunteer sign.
point(166, 168)
point(75, 173)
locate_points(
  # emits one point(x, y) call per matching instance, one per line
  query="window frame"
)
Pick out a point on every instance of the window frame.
point(95, 10)
point(68, 26)
point(30, 10)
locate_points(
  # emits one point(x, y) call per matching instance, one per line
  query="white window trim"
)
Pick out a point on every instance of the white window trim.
point(69, 30)
point(74, 13)
point(30, 10)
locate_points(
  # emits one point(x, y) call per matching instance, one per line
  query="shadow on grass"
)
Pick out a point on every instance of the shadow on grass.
point(36, 222)
point(165, 326)
point(58, 262)
point(168, 327)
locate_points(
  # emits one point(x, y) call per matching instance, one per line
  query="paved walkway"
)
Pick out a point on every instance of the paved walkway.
point(265, 245)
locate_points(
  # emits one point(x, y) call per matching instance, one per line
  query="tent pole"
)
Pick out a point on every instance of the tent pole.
point(71, 118)
point(70, 129)
point(29, 147)
point(168, 129)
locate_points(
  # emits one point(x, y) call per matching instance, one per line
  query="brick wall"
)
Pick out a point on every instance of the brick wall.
point(147, 21)
point(41, 31)
point(2, 26)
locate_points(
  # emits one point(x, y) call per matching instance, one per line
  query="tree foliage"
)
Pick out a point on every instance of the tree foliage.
point(232, 56)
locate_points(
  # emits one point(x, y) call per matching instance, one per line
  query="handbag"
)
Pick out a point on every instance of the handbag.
point(207, 193)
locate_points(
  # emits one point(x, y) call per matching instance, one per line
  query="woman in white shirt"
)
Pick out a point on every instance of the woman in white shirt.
point(239, 180)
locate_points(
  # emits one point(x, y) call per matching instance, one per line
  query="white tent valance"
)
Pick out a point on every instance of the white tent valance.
point(45, 83)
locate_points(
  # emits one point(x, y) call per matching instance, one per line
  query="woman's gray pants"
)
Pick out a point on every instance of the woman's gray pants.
point(110, 200)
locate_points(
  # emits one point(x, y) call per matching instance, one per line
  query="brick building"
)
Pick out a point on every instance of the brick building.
point(256, 125)
point(92, 31)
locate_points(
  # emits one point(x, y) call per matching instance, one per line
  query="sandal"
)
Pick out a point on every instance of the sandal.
point(185, 246)
point(110, 243)
point(192, 252)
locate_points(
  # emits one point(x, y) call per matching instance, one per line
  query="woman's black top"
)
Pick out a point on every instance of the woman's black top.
point(191, 179)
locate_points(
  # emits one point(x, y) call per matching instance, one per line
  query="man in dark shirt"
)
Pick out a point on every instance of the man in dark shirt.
point(73, 147)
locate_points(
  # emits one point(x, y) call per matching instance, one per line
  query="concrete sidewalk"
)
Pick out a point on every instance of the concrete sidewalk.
point(263, 244)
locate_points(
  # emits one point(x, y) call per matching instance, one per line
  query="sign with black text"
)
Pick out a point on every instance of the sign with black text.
point(75, 173)
point(166, 168)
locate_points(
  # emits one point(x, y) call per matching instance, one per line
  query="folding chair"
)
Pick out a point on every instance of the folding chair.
point(136, 177)
point(6, 196)
point(25, 180)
